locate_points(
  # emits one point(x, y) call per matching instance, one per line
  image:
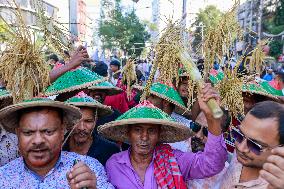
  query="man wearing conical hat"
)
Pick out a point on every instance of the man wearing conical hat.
point(82, 139)
point(151, 164)
point(40, 124)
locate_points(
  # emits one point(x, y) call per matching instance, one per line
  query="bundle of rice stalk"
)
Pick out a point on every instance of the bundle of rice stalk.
point(220, 38)
point(167, 60)
point(22, 66)
point(230, 89)
point(129, 76)
point(55, 35)
point(257, 57)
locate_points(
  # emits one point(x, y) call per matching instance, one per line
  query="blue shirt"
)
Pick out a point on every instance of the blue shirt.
point(15, 174)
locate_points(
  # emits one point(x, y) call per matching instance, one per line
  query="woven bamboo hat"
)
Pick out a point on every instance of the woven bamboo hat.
point(145, 113)
point(106, 87)
point(77, 79)
point(167, 93)
point(9, 115)
point(83, 100)
point(263, 88)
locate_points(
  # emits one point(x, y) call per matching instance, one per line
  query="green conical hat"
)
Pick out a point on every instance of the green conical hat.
point(145, 113)
point(9, 115)
point(107, 88)
point(77, 79)
point(83, 100)
point(271, 89)
point(215, 76)
point(167, 93)
point(262, 88)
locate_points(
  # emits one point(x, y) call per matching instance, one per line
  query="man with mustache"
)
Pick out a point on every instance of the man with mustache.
point(40, 125)
point(151, 164)
point(260, 132)
point(82, 139)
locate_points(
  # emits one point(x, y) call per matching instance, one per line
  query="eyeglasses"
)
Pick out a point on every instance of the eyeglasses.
point(253, 146)
point(195, 127)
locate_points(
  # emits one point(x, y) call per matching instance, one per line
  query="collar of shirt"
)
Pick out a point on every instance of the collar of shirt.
point(59, 162)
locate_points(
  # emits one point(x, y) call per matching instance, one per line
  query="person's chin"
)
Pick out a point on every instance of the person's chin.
point(243, 159)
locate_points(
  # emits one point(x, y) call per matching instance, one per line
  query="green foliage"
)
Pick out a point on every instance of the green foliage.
point(276, 48)
point(124, 31)
point(207, 17)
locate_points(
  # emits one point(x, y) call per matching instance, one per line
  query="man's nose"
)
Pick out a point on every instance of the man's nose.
point(38, 138)
point(243, 147)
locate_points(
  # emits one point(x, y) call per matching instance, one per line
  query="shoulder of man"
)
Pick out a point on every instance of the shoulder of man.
point(117, 158)
point(108, 145)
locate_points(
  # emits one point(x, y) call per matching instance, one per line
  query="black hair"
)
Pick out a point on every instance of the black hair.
point(270, 109)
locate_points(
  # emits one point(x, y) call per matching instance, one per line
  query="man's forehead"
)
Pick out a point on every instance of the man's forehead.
point(262, 130)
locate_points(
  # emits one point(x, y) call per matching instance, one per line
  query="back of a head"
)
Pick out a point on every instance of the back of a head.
point(270, 109)
point(101, 69)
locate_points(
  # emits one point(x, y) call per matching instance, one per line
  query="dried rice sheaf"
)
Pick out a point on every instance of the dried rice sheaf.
point(129, 76)
point(22, 66)
point(167, 61)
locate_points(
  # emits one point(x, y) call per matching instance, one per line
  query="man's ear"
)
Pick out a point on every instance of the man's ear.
point(17, 131)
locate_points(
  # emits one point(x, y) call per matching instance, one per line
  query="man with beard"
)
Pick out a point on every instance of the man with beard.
point(82, 139)
point(260, 132)
point(40, 125)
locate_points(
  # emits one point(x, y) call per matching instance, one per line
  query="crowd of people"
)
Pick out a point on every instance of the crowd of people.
point(87, 132)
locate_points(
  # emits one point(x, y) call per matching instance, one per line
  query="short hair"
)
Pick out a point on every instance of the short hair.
point(270, 109)
point(38, 109)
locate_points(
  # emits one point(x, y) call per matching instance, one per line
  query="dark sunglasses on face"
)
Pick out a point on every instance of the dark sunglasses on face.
point(195, 127)
point(253, 146)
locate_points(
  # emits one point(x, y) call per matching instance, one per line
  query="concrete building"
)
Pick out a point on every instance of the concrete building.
point(28, 8)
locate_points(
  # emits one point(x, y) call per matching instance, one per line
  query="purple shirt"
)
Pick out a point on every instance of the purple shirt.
point(192, 165)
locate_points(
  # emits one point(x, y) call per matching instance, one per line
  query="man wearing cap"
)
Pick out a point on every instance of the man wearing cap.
point(115, 71)
point(82, 139)
point(40, 125)
point(151, 164)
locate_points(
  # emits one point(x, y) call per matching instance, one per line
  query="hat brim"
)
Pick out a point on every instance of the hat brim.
point(170, 131)
point(9, 115)
point(74, 88)
point(102, 109)
point(182, 108)
point(275, 98)
point(108, 90)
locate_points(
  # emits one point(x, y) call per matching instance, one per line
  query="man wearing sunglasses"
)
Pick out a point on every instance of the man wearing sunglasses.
point(261, 131)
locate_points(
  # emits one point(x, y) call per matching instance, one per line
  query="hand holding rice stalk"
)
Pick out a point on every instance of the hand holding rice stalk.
point(195, 75)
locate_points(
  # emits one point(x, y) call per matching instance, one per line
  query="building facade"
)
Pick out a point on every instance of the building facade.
point(28, 8)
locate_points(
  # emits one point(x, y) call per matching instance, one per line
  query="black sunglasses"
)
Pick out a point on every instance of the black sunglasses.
point(195, 127)
point(253, 146)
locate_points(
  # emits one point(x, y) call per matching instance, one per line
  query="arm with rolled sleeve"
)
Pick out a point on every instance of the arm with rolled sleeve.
point(203, 164)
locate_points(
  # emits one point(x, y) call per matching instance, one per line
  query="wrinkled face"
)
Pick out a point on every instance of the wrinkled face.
point(183, 88)
point(249, 102)
point(84, 128)
point(98, 96)
point(113, 68)
point(40, 136)
point(143, 138)
point(264, 132)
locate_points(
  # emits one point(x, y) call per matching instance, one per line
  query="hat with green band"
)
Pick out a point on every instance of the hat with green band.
point(145, 113)
point(76, 79)
point(106, 87)
point(215, 76)
point(83, 100)
point(9, 115)
point(166, 92)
